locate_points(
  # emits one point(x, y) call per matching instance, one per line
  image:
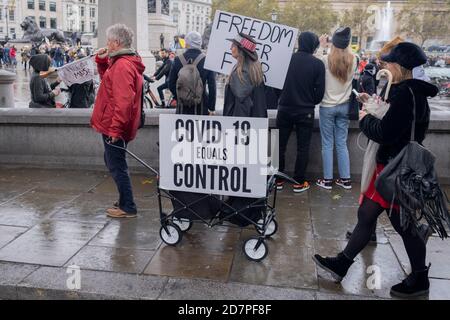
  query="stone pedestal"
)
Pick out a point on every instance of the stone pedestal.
point(134, 14)
point(160, 22)
point(6, 89)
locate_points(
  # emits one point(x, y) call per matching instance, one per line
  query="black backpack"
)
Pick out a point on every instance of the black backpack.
point(410, 180)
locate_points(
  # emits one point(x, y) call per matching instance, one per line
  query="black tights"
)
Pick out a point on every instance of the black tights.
point(368, 214)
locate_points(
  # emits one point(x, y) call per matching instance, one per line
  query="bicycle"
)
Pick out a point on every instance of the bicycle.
point(150, 100)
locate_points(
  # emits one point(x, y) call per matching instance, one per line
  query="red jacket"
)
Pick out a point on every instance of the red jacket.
point(117, 111)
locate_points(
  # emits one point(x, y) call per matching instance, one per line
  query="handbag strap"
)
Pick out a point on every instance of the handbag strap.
point(413, 129)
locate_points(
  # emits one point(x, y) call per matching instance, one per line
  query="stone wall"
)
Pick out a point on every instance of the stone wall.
point(62, 138)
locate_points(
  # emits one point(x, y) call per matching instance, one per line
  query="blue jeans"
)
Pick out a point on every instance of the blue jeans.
point(334, 130)
point(115, 160)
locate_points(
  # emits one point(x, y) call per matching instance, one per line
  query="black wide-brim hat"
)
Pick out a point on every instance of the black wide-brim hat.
point(247, 44)
point(406, 54)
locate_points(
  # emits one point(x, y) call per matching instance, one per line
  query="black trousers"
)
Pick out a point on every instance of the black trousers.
point(161, 89)
point(303, 125)
point(368, 214)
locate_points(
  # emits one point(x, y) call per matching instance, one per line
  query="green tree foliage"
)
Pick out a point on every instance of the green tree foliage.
point(425, 20)
point(307, 15)
point(357, 18)
point(260, 9)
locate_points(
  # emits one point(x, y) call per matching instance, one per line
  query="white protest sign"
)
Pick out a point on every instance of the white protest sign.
point(214, 155)
point(275, 45)
point(79, 71)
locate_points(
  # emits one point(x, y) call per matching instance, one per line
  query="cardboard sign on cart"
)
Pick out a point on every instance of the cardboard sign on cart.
point(214, 155)
point(275, 45)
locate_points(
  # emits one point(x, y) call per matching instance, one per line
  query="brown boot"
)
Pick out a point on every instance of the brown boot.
point(119, 214)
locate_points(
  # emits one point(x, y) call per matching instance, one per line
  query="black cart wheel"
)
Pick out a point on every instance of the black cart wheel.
point(271, 229)
point(255, 249)
point(184, 224)
point(171, 234)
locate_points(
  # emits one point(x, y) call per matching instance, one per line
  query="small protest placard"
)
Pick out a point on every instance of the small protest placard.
point(275, 45)
point(214, 155)
point(80, 71)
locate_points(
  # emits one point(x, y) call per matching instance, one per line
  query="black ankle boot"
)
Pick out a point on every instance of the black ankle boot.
point(337, 266)
point(415, 285)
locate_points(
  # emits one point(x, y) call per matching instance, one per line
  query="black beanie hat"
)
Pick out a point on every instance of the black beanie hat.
point(342, 37)
point(406, 54)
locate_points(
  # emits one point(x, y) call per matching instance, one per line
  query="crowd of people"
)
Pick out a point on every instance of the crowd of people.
point(323, 72)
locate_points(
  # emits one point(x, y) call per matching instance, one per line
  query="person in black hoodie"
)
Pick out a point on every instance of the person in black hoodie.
point(303, 90)
point(393, 133)
point(367, 81)
point(42, 94)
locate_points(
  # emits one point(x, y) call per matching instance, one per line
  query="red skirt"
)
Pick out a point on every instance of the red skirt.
point(373, 194)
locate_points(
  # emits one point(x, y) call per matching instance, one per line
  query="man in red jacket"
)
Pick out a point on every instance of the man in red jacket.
point(117, 110)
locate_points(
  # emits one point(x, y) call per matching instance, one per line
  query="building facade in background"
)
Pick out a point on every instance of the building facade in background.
point(79, 16)
point(191, 15)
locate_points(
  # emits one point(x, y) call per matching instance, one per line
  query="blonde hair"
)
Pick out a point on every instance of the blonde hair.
point(340, 63)
point(254, 68)
point(400, 73)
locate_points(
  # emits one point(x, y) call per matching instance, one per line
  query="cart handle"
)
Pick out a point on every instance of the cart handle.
point(124, 148)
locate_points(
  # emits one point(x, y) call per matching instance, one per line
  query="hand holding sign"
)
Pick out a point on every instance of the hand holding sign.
point(275, 45)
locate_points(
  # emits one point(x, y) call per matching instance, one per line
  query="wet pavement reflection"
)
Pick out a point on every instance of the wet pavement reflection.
point(55, 218)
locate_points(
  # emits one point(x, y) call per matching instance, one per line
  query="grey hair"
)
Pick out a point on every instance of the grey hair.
point(120, 33)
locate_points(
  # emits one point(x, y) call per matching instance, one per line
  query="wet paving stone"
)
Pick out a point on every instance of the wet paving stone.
point(201, 254)
point(356, 282)
point(50, 243)
point(32, 207)
point(337, 197)
point(51, 283)
point(11, 275)
point(112, 259)
point(87, 207)
point(75, 181)
point(439, 289)
point(289, 261)
point(143, 186)
point(182, 263)
point(139, 233)
point(341, 297)
point(438, 254)
point(178, 289)
point(8, 233)
point(10, 191)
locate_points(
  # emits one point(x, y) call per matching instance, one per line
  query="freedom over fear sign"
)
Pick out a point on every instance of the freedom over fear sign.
point(275, 45)
point(214, 155)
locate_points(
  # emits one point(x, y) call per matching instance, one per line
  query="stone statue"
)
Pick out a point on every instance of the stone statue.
point(161, 40)
point(33, 33)
point(206, 36)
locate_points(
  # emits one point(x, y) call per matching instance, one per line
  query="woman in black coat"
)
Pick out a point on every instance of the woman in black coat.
point(42, 94)
point(393, 133)
point(245, 94)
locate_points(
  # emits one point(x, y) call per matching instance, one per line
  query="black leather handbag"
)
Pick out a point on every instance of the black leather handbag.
point(410, 181)
point(353, 104)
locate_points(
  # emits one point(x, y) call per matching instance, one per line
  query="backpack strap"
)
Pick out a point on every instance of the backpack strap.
point(197, 60)
point(183, 59)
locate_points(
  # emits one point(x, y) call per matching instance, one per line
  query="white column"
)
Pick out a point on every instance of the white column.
point(134, 14)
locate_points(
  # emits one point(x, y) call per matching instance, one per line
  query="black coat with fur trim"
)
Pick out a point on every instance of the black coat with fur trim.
point(393, 132)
